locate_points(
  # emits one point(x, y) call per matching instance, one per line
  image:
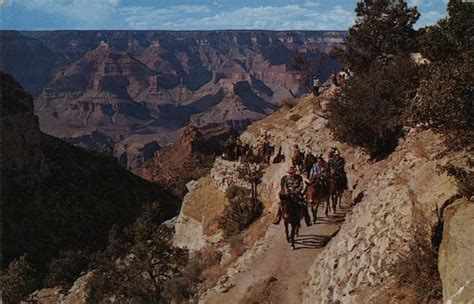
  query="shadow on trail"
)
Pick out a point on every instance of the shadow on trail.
point(331, 220)
point(311, 241)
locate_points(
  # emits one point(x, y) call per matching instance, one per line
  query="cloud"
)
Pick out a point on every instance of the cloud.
point(86, 12)
point(428, 18)
point(260, 17)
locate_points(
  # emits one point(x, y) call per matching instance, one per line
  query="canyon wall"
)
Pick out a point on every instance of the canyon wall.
point(98, 89)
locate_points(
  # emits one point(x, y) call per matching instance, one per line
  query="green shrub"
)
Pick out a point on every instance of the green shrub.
point(242, 211)
point(368, 111)
point(374, 36)
point(18, 281)
point(444, 101)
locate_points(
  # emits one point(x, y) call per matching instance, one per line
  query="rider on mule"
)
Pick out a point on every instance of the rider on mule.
point(319, 172)
point(296, 159)
point(292, 186)
point(337, 167)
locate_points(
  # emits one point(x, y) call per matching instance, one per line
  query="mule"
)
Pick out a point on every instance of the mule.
point(337, 185)
point(267, 152)
point(316, 193)
point(291, 212)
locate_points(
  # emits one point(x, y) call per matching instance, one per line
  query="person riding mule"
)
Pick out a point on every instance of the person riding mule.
point(291, 192)
point(317, 191)
point(297, 157)
point(337, 168)
point(318, 172)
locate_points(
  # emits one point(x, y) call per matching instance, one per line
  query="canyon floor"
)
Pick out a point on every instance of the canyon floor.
point(274, 272)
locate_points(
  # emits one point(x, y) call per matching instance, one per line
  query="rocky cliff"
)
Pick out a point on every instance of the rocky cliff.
point(397, 203)
point(135, 84)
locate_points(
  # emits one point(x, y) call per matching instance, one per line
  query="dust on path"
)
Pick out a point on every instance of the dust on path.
point(272, 272)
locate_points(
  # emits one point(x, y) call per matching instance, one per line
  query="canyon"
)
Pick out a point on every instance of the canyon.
point(129, 93)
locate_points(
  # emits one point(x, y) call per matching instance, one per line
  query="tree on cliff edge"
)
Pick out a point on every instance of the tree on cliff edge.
point(382, 28)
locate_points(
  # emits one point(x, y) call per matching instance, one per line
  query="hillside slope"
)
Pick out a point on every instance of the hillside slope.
point(394, 203)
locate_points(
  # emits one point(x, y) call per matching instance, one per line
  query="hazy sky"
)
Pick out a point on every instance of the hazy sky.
point(193, 14)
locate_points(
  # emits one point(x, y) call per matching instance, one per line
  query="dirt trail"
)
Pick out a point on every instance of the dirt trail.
point(272, 272)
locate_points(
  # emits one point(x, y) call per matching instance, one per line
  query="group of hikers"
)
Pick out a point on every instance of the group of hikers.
point(339, 78)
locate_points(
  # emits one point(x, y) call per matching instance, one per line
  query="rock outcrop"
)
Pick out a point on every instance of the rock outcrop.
point(455, 254)
point(190, 157)
point(197, 223)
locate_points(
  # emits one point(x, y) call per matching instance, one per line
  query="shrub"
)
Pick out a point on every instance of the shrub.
point(418, 269)
point(368, 111)
point(18, 281)
point(295, 117)
point(242, 211)
point(444, 101)
point(64, 270)
point(464, 178)
point(183, 285)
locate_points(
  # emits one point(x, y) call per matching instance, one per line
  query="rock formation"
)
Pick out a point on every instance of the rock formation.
point(144, 86)
point(190, 157)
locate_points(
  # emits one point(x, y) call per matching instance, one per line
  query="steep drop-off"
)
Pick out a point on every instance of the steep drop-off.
point(56, 196)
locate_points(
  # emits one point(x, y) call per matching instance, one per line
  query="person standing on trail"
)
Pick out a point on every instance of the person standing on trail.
point(291, 190)
point(334, 78)
point(316, 86)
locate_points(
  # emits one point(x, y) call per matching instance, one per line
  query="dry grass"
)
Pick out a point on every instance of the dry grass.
point(206, 204)
point(418, 270)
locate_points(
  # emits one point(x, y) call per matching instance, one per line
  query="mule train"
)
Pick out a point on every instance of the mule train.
point(326, 183)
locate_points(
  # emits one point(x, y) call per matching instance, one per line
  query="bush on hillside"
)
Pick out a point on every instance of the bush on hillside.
point(242, 211)
point(182, 286)
point(138, 261)
point(18, 281)
point(445, 101)
point(66, 268)
point(368, 111)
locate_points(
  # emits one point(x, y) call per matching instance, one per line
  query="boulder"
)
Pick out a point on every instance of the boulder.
point(456, 265)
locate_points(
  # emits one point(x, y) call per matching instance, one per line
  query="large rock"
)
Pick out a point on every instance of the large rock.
point(456, 265)
point(197, 223)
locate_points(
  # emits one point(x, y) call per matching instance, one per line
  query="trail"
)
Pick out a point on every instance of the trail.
point(271, 271)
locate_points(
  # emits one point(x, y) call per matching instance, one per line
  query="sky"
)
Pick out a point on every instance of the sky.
point(192, 14)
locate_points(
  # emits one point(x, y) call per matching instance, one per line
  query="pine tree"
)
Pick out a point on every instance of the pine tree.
point(383, 28)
